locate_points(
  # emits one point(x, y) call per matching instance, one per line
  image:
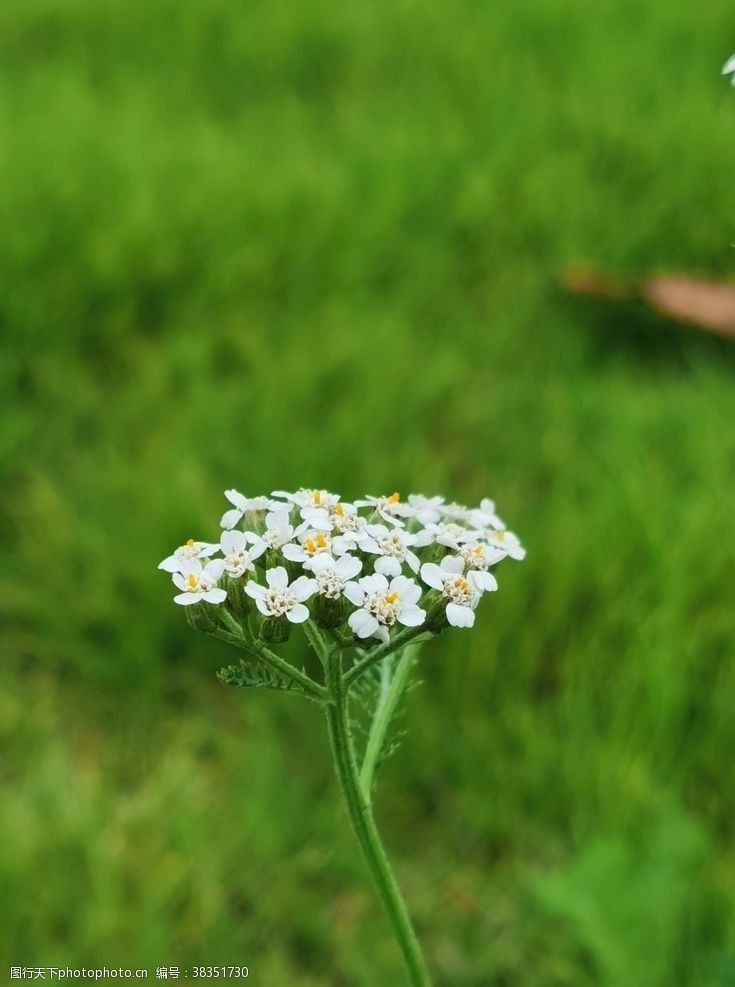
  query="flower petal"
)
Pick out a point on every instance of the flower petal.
point(214, 568)
point(411, 616)
point(347, 567)
point(363, 623)
point(230, 518)
point(432, 575)
point(354, 594)
point(388, 565)
point(452, 564)
point(297, 614)
point(459, 616)
point(303, 587)
point(277, 578)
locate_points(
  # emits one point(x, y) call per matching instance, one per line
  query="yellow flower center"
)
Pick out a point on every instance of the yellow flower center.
point(315, 544)
point(394, 498)
point(190, 543)
point(316, 498)
point(461, 584)
point(339, 510)
point(391, 597)
point(500, 535)
point(191, 581)
point(478, 549)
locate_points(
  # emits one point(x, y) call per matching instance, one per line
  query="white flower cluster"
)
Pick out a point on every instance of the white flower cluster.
point(373, 564)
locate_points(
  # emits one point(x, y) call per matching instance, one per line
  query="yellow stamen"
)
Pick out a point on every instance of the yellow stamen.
point(461, 583)
point(191, 581)
point(394, 498)
point(500, 535)
point(391, 597)
point(478, 549)
point(339, 510)
point(190, 543)
point(321, 541)
point(316, 498)
point(310, 546)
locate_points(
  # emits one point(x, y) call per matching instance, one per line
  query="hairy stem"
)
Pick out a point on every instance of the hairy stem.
point(361, 817)
point(255, 647)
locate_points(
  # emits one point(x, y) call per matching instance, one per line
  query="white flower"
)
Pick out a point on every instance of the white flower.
point(729, 68)
point(243, 505)
point(383, 604)
point(199, 583)
point(426, 510)
point(315, 506)
point(185, 553)
point(279, 599)
point(393, 545)
point(455, 512)
point(278, 530)
point(485, 517)
point(312, 543)
point(240, 550)
point(332, 515)
point(507, 542)
point(389, 508)
point(478, 558)
point(462, 593)
point(448, 533)
point(334, 577)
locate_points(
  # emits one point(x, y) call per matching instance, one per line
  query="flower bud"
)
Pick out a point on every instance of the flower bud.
point(275, 630)
point(329, 612)
point(238, 603)
point(202, 616)
point(436, 612)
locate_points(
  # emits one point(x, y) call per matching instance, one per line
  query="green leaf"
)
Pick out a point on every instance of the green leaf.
point(366, 697)
point(257, 675)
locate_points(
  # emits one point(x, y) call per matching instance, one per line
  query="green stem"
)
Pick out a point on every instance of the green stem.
point(382, 651)
point(254, 647)
point(361, 817)
point(390, 694)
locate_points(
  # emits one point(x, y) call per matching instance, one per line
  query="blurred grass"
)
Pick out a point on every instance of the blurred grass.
point(306, 244)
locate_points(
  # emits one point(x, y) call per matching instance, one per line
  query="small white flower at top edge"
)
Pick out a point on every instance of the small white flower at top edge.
point(278, 530)
point(426, 510)
point(506, 542)
point(197, 582)
point(185, 553)
point(448, 533)
point(485, 516)
point(391, 508)
point(279, 598)
point(244, 505)
point(384, 604)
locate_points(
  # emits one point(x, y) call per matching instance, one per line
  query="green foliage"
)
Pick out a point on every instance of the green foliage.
point(271, 244)
point(255, 674)
point(366, 698)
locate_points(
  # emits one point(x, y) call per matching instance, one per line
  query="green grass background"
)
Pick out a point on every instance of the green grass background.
point(275, 244)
